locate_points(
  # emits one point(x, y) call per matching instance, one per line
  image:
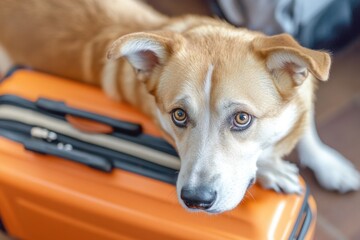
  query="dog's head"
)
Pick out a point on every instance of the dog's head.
point(223, 95)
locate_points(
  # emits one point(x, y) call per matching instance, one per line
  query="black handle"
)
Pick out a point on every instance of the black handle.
point(90, 160)
point(61, 108)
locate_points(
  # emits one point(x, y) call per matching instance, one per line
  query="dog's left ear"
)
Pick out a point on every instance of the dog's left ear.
point(144, 50)
point(284, 55)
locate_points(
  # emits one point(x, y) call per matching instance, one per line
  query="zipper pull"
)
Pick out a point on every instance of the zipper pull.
point(64, 146)
point(88, 159)
point(49, 136)
point(43, 133)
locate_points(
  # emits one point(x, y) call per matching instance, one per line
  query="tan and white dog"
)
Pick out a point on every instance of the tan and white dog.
point(233, 102)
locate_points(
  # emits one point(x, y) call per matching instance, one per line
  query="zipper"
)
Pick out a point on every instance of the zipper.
point(143, 139)
point(90, 160)
point(63, 140)
point(63, 149)
point(45, 141)
point(43, 133)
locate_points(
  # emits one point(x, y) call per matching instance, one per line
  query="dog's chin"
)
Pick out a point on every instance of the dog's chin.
point(208, 211)
point(217, 208)
point(211, 211)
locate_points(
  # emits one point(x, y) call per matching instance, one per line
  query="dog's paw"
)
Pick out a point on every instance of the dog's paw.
point(334, 171)
point(279, 175)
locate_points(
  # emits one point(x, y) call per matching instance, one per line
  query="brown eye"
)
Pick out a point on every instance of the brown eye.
point(242, 121)
point(179, 117)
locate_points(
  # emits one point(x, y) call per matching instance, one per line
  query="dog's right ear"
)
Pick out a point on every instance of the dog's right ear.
point(143, 50)
point(289, 62)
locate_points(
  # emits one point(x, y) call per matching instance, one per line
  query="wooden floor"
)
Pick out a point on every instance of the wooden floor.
point(3, 236)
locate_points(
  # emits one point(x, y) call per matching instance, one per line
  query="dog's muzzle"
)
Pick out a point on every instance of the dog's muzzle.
point(201, 198)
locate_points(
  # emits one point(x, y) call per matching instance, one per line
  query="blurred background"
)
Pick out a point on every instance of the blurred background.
point(332, 25)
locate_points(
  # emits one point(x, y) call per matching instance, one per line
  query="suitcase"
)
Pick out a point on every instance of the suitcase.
point(76, 165)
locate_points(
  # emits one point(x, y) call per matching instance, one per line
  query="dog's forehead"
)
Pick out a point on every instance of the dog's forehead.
point(219, 34)
point(247, 82)
point(238, 75)
point(224, 78)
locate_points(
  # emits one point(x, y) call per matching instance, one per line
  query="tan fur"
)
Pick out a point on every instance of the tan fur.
point(317, 62)
point(60, 34)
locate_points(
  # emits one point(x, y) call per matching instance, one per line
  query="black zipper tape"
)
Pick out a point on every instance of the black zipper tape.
point(108, 153)
point(300, 226)
point(90, 160)
point(25, 130)
point(142, 139)
point(168, 177)
point(8, 99)
point(43, 147)
point(21, 132)
point(61, 108)
point(306, 224)
point(149, 141)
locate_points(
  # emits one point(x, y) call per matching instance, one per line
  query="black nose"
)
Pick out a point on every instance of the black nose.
point(198, 198)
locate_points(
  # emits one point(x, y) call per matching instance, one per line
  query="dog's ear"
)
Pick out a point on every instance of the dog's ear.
point(144, 50)
point(285, 58)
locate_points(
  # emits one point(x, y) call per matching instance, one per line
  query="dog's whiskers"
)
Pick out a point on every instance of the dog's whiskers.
point(249, 193)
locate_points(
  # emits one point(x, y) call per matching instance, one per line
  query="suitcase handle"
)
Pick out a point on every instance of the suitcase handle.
point(58, 107)
point(90, 160)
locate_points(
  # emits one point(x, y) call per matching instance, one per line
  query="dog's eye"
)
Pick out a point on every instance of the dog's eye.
point(179, 117)
point(242, 121)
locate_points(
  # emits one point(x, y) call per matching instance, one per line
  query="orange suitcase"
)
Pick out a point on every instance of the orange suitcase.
point(76, 165)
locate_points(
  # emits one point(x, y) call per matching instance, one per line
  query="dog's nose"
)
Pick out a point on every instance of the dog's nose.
point(198, 198)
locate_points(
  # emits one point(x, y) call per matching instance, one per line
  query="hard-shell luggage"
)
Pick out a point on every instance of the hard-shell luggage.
point(76, 165)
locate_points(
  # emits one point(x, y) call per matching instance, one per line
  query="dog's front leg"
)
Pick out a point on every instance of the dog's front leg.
point(277, 174)
point(332, 170)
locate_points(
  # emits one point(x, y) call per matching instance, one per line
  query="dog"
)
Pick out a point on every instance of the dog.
point(233, 102)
